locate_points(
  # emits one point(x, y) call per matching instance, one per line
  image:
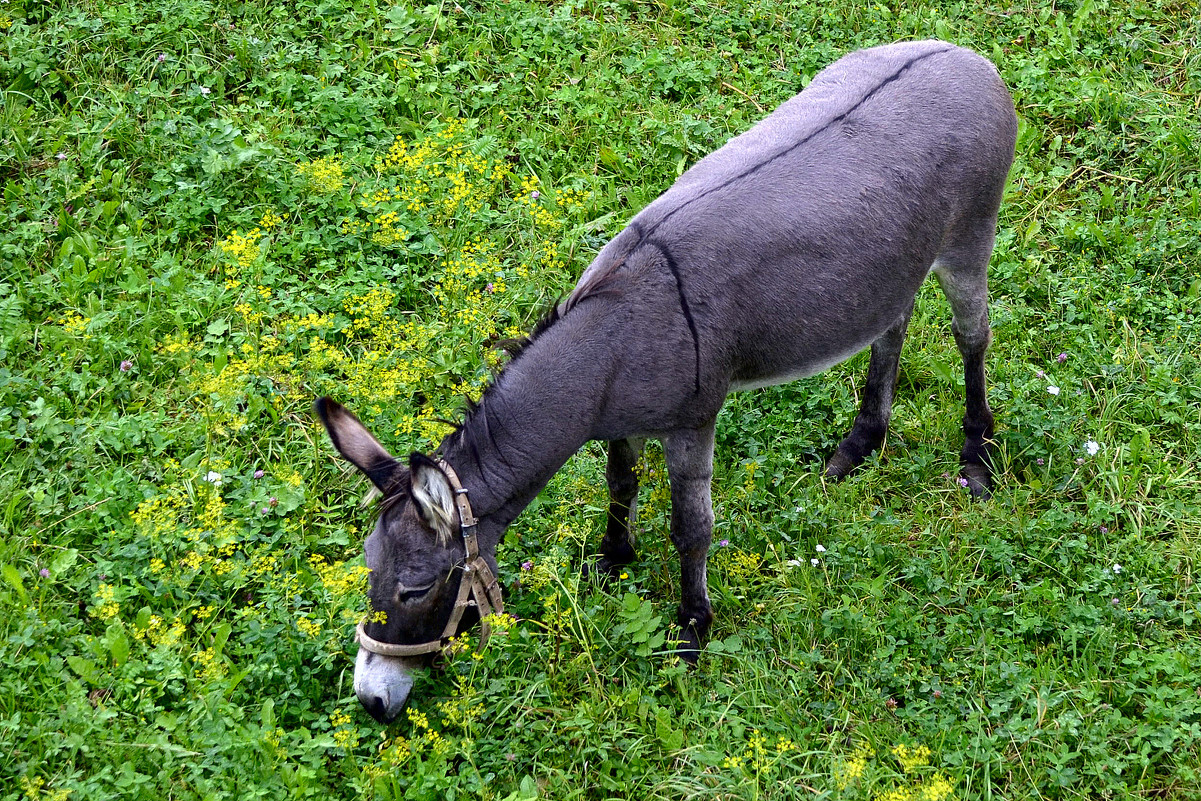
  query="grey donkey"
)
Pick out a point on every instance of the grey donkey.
point(793, 247)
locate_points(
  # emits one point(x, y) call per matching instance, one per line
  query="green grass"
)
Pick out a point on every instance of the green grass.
point(164, 635)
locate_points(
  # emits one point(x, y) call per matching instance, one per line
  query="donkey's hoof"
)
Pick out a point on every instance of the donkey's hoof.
point(688, 647)
point(841, 465)
point(979, 480)
point(862, 441)
point(693, 628)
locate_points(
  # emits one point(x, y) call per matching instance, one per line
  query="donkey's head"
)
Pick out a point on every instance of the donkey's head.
point(414, 558)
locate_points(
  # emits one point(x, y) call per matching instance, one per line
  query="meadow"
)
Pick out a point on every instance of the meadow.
point(215, 211)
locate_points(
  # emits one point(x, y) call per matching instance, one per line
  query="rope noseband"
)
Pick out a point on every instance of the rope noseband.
point(478, 587)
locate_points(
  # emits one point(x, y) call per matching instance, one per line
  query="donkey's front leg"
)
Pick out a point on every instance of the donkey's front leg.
point(689, 455)
point(617, 548)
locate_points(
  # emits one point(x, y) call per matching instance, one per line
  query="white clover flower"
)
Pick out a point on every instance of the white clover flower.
point(820, 548)
point(1091, 447)
point(1117, 568)
point(1054, 390)
point(815, 562)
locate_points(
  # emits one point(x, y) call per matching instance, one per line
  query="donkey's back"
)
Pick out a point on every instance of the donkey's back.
point(804, 240)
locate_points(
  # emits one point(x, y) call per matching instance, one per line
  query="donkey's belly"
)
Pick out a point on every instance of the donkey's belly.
point(792, 371)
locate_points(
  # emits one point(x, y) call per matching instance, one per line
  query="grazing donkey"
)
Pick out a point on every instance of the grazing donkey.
point(790, 249)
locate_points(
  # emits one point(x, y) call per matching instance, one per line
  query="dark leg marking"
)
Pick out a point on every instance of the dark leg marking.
point(976, 457)
point(617, 547)
point(871, 424)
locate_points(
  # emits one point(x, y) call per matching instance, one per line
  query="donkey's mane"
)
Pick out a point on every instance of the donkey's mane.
point(516, 348)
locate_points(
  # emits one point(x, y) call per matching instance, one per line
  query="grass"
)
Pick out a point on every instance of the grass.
point(207, 220)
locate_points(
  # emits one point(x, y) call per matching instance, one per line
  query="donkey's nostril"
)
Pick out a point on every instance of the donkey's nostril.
point(376, 707)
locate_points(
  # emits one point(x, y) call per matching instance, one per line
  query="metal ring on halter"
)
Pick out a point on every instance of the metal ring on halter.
point(478, 581)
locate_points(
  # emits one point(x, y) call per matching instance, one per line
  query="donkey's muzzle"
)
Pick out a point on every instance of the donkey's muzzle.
point(382, 683)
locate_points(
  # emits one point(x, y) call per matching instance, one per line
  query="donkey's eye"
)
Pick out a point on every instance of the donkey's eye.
point(404, 593)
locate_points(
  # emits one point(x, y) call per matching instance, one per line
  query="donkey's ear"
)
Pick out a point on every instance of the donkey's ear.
point(354, 441)
point(433, 495)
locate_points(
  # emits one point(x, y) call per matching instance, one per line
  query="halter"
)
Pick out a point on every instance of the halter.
point(478, 581)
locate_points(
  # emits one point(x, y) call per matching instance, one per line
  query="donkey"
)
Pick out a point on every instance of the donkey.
point(793, 247)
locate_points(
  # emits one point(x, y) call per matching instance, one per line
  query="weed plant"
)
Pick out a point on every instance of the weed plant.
point(214, 211)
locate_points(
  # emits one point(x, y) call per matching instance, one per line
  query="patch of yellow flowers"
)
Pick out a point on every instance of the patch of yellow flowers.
point(345, 735)
point(106, 606)
point(437, 185)
point(761, 757)
point(436, 180)
point(324, 176)
point(739, 567)
point(423, 740)
point(855, 769)
point(34, 787)
point(75, 324)
point(242, 248)
point(338, 578)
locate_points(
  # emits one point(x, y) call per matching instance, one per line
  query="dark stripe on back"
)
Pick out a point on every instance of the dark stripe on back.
point(833, 121)
point(675, 272)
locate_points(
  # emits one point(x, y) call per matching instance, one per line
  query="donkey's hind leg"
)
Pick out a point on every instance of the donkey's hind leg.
point(617, 547)
point(962, 272)
point(871, 424)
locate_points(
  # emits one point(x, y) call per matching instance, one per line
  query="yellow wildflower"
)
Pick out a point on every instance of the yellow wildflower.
point(937, 788)
point(106, 606)
point(911, 758)
point(244, 248)
point(324, 176)
point(854, 767)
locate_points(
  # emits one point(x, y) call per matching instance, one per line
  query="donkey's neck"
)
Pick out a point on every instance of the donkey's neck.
point(542, 408)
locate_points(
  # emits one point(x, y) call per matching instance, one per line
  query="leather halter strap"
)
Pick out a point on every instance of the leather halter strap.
point(478, 587)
